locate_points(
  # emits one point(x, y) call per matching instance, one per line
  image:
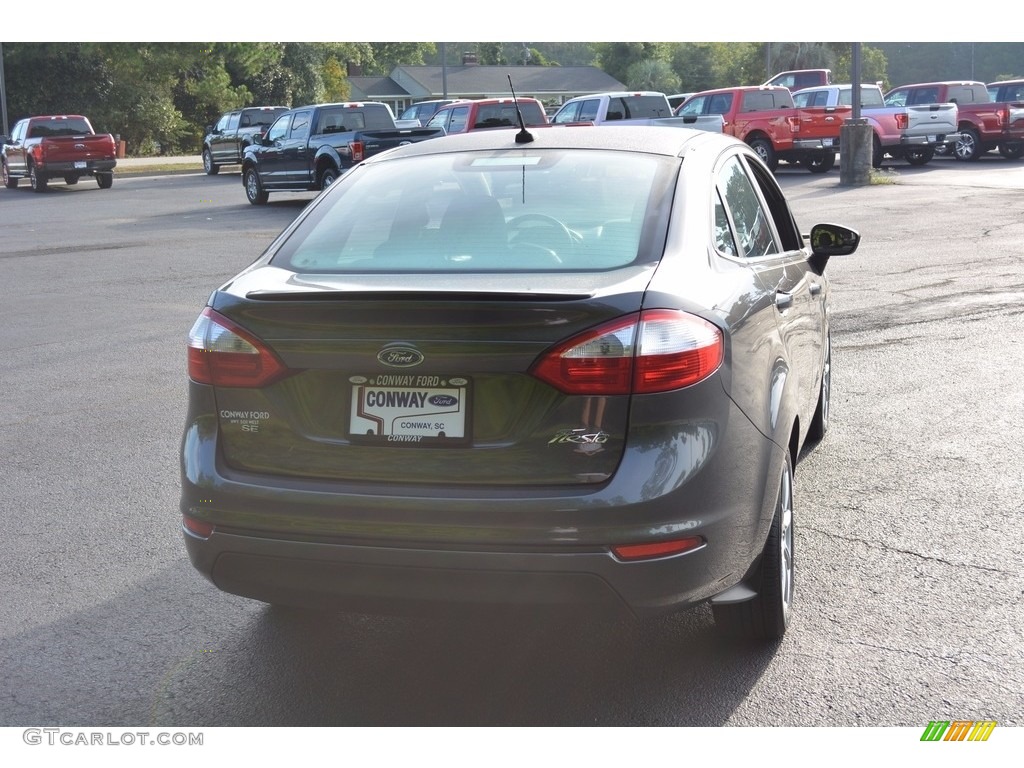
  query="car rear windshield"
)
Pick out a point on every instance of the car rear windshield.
point(67, 126)
point(506, 211)
point(504, 115)
point(636, 107)
point(262, 116)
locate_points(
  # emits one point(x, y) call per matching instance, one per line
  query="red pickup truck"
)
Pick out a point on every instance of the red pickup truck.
point(766, 119)
point(477, 114)
point(983, 124)
point(64, 146)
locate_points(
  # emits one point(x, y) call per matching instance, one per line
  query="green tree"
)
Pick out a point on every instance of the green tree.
point(617, 58)
point(652, 75)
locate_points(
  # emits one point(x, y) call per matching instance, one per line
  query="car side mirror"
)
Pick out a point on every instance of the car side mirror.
point(827, 240)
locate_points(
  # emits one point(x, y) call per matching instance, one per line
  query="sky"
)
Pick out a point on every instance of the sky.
point(531, 20)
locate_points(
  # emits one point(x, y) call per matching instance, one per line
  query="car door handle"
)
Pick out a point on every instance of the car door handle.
point(783, 300)
point(815, 289)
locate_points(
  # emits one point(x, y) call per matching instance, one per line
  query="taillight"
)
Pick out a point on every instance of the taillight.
point(1003, 116)
point(657, 350)
point(902, 120)
point(358, 151)
point(794, 124)
point(223, 354)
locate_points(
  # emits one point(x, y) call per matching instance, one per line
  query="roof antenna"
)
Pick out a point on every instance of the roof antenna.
point(524, 136)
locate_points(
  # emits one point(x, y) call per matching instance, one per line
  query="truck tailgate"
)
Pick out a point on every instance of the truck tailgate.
point(931, 120)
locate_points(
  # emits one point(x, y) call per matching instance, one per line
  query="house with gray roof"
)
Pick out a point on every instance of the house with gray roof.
point(468, 80)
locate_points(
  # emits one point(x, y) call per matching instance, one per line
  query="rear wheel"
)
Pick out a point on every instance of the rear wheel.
point(766, 616)
point(968, 145)
point(1012, 151)
point(764, 149)
point(328, 177)
point(36, 179)
point(9, 181)
point(919, 155)
point(819, 162)
point(105, 179)
point(254, 190)
point(209, 166)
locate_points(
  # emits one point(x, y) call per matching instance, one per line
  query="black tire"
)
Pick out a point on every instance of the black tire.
point(877, 153)
point(968, 145)
point(919, 155)
point(105, 179)
point(211, 168)
point(1012, 151)
point(254, 191)
point(819, 422)
point(11, 182)
point(70, 180)
point(328, 176)
point(766, 617)
point(36, 180)
point(764, 149)
point(819, 162)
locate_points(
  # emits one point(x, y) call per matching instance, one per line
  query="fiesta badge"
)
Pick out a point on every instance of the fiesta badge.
point(400, 357)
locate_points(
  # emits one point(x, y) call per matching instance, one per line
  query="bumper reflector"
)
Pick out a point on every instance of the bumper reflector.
point(657, 549)
point(197, 528)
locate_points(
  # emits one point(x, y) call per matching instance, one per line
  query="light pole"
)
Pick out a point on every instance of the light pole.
point(3, 94)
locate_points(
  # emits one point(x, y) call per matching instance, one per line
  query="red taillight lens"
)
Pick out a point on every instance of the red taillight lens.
point(223, 354)
point(654, 351)
point(657, 549)
point(902, 120)
point(358, 151)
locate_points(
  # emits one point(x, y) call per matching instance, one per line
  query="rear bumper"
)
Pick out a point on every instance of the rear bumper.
point(391, 580)
point(67, 168)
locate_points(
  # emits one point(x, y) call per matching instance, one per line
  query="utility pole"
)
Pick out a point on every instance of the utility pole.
point(3, 94)
point(856, 143)
point(444, 70)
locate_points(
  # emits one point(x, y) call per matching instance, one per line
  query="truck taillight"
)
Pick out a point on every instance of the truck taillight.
point(902, 120)
point(794, 124)
point(1003, 116)
point(357, 150)
point(657, 350)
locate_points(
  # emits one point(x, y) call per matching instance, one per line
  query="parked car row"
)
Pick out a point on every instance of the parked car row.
point(910, 122)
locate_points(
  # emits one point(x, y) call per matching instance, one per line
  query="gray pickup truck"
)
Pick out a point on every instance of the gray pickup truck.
point(308, 148)
point(631, 108)
point(909, 132)
point(226, 140)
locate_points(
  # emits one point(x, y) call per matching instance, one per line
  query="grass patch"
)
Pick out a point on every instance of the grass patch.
point(884, 176)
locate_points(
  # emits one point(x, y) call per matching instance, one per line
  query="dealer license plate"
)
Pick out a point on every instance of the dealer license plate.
point(826, 142)
point(80, 164)
point(931, 138)
point(409, 408)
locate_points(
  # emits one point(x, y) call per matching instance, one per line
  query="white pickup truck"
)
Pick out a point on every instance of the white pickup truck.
point(911, 132)
point(631, 108)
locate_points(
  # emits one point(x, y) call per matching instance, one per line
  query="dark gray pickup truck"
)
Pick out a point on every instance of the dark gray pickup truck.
point(225, 142)
point(308, 148)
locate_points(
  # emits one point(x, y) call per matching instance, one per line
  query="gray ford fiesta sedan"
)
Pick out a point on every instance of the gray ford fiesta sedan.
point(567, 368)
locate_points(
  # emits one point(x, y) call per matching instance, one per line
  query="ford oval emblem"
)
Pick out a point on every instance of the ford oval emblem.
point(443, 401)
point(400, 357)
